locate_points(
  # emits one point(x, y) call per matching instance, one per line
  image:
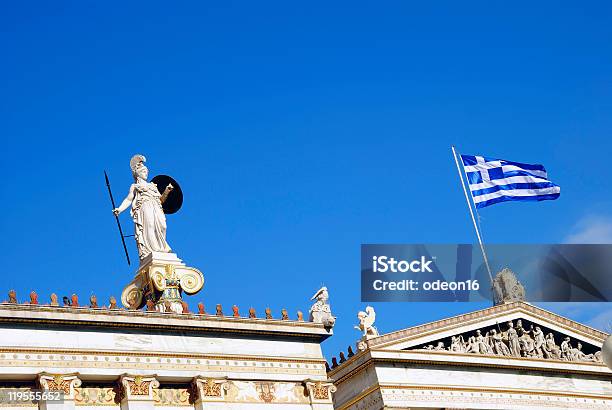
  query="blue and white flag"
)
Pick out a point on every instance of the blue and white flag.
point(497, 180)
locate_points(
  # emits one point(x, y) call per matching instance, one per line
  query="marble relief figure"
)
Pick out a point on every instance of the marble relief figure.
point(146, 210)
point(516, 341)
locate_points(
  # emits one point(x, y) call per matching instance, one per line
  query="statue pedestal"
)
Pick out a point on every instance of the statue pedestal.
point(160, 280)
point(160, 258)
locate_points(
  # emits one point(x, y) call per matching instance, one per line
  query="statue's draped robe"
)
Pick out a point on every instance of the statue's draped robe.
point(513, 342)
point(149, 220)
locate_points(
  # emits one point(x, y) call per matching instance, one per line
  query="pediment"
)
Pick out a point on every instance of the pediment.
point(511, 330)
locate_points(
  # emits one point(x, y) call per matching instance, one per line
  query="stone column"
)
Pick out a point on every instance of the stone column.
point(137, 392)
point(209, 391)
point(62, 383)
point(320, 394)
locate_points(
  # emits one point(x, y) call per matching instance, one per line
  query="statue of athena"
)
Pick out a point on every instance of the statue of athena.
point(147, 212)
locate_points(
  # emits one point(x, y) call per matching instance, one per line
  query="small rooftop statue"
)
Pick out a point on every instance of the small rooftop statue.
point(507, 288)
point(320, 311)
point(366, 325)
point(366, 322)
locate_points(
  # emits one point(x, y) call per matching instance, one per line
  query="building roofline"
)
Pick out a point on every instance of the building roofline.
point(170, 322)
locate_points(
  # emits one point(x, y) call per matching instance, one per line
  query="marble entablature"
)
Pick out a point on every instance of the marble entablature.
point(128, 358)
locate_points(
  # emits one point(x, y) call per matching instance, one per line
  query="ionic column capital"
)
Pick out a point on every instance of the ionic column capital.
point(64, 383)
point(209, 389)
point(320, 391)
point(137, 388)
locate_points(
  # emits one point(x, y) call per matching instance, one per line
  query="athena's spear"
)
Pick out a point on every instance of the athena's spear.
point(117, 218)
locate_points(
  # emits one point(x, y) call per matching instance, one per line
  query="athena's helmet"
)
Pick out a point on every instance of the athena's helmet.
point(136, 162)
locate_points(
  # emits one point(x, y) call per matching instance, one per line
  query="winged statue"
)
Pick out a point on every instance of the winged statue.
point(366, 322)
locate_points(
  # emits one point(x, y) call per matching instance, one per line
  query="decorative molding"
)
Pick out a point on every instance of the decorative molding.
point(151, 362)
point(65, 383)
point(366, 360)
point(491, 396)
point(242, 391)
point(437, 396)
point(175, 397)
point(97, 396)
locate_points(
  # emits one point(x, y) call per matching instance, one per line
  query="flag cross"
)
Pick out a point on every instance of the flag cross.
point(488, 169)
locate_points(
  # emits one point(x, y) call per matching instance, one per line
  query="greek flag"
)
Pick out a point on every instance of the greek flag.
point(497, 180)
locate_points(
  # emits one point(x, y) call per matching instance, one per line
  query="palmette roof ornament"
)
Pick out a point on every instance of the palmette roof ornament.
point(507, 288)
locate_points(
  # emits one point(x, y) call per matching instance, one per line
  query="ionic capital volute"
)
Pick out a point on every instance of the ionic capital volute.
point(320, 391)
point(64, 383)
point(210, 389)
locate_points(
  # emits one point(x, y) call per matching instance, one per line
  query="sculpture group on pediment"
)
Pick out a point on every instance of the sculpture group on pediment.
point(516, 341)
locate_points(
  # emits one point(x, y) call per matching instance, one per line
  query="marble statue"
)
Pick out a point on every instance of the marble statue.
point(146, 210)
point(499, 347)
point(566, 349)
point(366, 323)
point(513, 340)
point(457, 344)
point(320, 311)
point(551, 350)
point(507, 288)
point(516, 341)
point(483, 343)
point(539, 341)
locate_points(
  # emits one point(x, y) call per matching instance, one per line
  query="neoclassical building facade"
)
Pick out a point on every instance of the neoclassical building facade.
point(136, 360)
point(510, 356)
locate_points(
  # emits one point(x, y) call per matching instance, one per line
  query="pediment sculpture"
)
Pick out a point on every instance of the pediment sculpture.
point(517, 339)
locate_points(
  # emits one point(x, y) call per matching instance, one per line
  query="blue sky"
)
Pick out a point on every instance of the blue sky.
point(297, 133)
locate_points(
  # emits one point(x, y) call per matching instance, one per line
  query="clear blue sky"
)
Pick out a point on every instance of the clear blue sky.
point(297, 132)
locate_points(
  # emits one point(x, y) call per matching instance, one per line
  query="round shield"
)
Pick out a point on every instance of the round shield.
point(174, 201)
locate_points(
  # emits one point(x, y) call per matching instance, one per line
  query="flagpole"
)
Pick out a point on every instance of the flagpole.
point(467, 198)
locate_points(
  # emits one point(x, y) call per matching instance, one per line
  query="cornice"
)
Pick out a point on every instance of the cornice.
point(169, 322)
point(457, 388)
point(480, 361)
point(483, 314)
